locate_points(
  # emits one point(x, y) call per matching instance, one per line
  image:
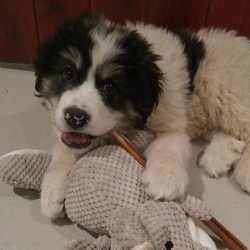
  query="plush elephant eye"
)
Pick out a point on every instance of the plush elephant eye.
point(110, 87)
point(68, 74)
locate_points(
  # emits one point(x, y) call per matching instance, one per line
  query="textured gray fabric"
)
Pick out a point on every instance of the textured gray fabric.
point(125, 227)
point(195, 207)
point(105, 195)
point(163, 217)
point(24, 169)
point(101, 243)
point(142, 139)
point(101, 183)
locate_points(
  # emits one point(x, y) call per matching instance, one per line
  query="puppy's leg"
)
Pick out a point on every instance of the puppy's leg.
point(167, 158)
point(222, 153)
point(55, 182)
point(242, 170)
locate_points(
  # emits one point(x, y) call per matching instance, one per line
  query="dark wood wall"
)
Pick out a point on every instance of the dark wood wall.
point(25, 23)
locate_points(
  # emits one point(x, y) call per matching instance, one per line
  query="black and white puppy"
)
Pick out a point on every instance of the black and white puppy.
point(95, 76)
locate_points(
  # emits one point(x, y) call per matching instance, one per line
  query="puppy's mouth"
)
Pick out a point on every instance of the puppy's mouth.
point(76, 140)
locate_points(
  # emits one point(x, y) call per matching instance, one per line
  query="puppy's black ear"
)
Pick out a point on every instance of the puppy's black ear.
point(70, 33)
point(38, 86)
point(45, 61)
point(148, 84)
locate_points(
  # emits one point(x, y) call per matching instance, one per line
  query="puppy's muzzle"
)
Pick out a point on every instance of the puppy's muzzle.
point(75, 117)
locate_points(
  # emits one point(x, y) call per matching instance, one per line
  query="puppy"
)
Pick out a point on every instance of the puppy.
point(95, 76)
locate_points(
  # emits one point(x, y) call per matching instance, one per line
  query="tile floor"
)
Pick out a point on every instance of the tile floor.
point(24, 124)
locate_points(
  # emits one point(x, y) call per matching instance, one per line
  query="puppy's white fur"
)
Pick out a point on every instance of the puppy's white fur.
point(165, 175)
point(219, 109)
point(167, 157)
point(220, 106)
point(55, 182)
point(223, 152)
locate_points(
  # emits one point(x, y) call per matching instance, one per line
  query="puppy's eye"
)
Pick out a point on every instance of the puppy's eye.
point(110, 87)
point(68, 74)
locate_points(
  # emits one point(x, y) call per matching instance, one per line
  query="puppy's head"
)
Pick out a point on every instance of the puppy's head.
point(95, 76)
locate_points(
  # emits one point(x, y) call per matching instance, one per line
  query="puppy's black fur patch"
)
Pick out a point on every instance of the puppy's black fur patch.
point(140, 64)
point(139, 80)
point(49, 64)
point(194, 50)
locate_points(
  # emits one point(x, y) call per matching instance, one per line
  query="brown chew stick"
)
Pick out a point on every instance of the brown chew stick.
point(129, 147)
point(228, 238)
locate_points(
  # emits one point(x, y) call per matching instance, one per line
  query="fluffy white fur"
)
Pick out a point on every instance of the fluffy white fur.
point(220, 106)
point(218, 110)
point(223, 152)
point(167, 157)
point(55, 182)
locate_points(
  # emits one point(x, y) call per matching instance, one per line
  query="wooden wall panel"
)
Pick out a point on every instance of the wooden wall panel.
point(178, 13)
point(120, 10)
point(25, 22)
point(51, 12)
point(230, 14)
point(18, 32)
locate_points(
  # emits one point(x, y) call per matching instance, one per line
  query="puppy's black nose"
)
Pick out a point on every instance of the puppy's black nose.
point(75, 117)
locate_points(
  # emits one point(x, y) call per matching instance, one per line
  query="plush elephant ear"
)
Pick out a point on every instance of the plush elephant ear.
point(24, 168)
point(195, 208)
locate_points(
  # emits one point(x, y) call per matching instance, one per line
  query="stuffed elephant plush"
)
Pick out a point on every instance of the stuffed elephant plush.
point(105, 195)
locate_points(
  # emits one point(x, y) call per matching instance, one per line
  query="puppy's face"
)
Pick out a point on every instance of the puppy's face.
point(96, 76)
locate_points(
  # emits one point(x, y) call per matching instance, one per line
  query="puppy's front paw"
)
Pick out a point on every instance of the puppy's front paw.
point(219, 158)
point(52, 197)
point(165, 183)
point(242, 176)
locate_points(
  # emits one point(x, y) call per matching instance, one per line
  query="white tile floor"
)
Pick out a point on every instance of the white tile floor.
point(23, 124)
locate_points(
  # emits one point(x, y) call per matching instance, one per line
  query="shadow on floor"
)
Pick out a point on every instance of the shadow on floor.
point(27, 194)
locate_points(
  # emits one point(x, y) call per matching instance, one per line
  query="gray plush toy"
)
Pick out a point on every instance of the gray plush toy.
point(105, 195)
